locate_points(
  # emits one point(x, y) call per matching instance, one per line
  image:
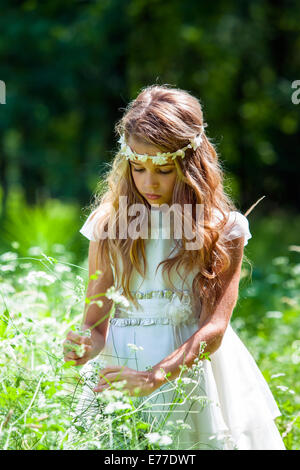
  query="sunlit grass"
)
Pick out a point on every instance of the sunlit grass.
point(42, 296)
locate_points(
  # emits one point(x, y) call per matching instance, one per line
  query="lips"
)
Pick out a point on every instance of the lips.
point(152, 196)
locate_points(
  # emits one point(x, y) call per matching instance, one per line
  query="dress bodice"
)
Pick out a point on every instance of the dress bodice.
point(154, 292)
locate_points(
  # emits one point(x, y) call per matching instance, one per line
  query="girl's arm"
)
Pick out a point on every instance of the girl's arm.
point(213, 322)
point(96, 318)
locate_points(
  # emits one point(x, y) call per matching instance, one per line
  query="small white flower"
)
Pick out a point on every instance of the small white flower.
point(6, 288)
point(114, 295)
point(282, 387)
point(61, 268)
point(187, 380)
point(25, 265)
point(153, 437)
point(126, 430)
point(165, 441)
point(34, 250)
point(7, 267)
point(274, 314)
point(8, 256)
point(159, 160)
point(115, 406)
point(196, 141)
point(281, 374)
point(39, 277)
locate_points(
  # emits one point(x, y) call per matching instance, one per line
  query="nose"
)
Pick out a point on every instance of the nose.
point(150, 182)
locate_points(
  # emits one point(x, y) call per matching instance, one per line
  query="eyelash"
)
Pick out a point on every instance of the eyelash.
point(162, 172)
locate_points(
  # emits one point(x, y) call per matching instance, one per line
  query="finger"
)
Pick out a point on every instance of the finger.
point(74, 337)
point(67, 345)
point(109, 369)
point(69, 356)
point(101, 388)
point(73, 355)
point(70, 347)
point(111, 377)
point(81, 361)
point(77, 362)
point(86, 340)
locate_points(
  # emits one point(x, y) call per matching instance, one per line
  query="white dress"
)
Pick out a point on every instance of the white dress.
point(239, 409)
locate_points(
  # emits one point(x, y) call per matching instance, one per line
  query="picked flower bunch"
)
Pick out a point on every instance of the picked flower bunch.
point(78, 348)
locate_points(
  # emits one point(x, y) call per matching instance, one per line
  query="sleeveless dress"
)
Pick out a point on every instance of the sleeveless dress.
point(227, 402)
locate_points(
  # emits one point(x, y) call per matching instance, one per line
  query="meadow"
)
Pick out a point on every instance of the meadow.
point(43, 280)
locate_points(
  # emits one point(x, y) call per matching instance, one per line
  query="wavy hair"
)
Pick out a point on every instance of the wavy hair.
point(167, 117)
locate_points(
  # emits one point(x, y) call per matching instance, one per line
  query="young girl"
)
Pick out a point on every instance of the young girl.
point(180, 296)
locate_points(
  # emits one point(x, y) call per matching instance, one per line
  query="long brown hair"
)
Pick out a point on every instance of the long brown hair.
point(167, 117)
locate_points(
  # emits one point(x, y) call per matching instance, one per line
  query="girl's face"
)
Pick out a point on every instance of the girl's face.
point(150, 178)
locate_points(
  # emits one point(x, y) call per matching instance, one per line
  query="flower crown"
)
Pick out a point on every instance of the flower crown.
point(159, 158)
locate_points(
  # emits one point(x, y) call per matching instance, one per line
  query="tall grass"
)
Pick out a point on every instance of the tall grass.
point(42, 291)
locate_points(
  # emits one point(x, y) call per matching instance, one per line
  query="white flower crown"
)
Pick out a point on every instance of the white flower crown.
point(159, 158)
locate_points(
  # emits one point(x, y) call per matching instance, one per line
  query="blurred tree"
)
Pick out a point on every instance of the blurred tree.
point(70, 69)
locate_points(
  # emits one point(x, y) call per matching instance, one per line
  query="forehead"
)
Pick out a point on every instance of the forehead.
point(143, 148)
point(149, 164)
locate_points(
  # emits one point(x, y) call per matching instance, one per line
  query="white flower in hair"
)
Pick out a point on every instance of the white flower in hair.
point(196, 141)
point(159, 158)
point(180, 153)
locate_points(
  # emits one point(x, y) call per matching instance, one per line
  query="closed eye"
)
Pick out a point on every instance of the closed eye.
point(162, 172)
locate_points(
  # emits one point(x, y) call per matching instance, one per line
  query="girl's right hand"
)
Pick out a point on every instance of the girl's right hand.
point(77, 348)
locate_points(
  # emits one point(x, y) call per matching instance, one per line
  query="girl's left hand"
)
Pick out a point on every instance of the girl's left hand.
point(134, 379)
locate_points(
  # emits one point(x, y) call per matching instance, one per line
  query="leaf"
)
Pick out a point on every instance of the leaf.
point(4, 319)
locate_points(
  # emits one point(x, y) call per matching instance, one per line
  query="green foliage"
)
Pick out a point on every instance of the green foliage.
point(39, 392)
point(84, 63)
point(267, 319)
point(42, 297)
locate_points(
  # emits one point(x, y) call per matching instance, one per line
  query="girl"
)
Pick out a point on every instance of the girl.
point(166, 159)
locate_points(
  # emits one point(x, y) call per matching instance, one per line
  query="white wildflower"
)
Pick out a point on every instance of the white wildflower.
point(8, 256)
point(165, 441)
point(39, 277)
point(283, 388)
point(8, 267)
point(61, 268)
point(156, 438)
point(58, 248)
point(274, 376)
point(187, 380)
point(296, 270)
point(274, 314)
point(153, 437)
point(34, 250)
point(114, 295)
point(6, 288)
point(125, 430)
point(280, 260)
point(115, 406)
point(25, 265)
